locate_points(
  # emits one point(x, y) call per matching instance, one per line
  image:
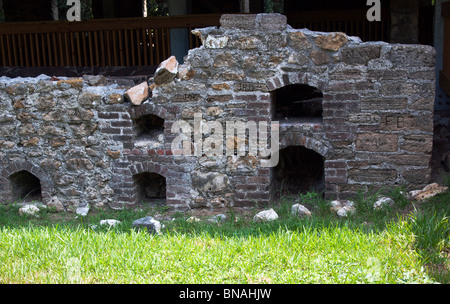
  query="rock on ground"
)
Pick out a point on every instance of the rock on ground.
point(193, 219)
point(343, 208)
point(56, 203)
point(265, 216)
point(153, 226)
point(300, 210)
point(82, 210)
point(110, 222)
point(345, 211)
point(427, 192)
point(28, 209)
point(383, 201)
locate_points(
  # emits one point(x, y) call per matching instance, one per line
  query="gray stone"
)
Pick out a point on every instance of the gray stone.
point(238, 21)
point(383, 201)
point(95, 80)
point(153, 226)
point(345, 211)
point(343, 208)
point(300, 210)
point(55, 203)
point(82, 210)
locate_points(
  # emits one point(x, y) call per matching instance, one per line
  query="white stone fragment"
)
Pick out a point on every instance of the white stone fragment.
point(266, 216)
point(29, 209)
point(216, 42)
point(383, 201)
point(110, 222)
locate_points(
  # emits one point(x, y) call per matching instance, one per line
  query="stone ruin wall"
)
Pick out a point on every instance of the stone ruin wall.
point(80, 137)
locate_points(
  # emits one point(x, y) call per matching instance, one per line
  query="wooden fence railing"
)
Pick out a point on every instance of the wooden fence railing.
point(444, 77)
point(142, 41)
point(100, 42)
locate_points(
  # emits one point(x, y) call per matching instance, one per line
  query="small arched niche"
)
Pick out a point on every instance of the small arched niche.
point(299, 170)
point(149, 131)
point(297, 103)
point(151, 188)
point(25, 187)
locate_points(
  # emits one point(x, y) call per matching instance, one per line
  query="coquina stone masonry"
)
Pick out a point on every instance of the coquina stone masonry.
point(86, 143)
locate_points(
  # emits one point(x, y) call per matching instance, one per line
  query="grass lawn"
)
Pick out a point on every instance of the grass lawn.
point(406, 243)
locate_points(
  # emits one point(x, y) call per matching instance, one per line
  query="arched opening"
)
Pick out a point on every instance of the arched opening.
point(297, 102)
point(149, 131)
point(151, 188)
point(299, 171)
point(25, 187)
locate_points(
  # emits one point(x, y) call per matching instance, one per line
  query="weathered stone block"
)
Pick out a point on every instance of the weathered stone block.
point(397, 122)
point(332, 41)
point(377, 142)
point(383, 104)
point(364, 118)
point(271, 22)
point(379, 176)
point(417, 143)
point(238, 21)
point(320, 57)
point(417, 176)
point(246, 43)
point(360, 55)
point(298, 41)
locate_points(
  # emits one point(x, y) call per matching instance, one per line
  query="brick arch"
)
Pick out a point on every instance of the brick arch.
point(148, 109)
point(148, 166)
point(173, 178)
point(310, 143)
point(318, 81)
point(5, 185)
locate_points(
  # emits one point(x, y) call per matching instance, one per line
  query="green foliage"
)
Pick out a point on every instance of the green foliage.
point(157, 8)
point(273, 6)
point(431, 231)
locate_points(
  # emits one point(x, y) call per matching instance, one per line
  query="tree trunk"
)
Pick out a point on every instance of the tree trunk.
point(55, 13)
point(144, 8)
point(2, 14)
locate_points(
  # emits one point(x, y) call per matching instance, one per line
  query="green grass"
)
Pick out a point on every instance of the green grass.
point(404, 243)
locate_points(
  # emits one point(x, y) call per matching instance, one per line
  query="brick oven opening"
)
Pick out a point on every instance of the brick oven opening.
point(25, 187)
point(297, 102)
point(149, 132)
point(299, 171)
point(151, 188)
